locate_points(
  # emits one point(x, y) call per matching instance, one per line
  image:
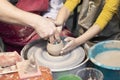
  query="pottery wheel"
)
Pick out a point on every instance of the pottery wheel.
point(38, 48)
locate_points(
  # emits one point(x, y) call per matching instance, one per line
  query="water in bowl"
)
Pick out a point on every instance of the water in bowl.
point(109, 58)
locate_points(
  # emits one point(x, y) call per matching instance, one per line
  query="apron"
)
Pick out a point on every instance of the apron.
point(90, 10)
point(21, 35)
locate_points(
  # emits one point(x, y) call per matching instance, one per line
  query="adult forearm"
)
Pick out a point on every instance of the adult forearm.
point(8, 12)
point(11, 14)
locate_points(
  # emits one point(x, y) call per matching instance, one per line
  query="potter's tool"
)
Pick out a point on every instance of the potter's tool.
point(28, 68)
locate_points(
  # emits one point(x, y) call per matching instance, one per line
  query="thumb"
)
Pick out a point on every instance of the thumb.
point(57, 23)
point(67, 45)
point(68, 39)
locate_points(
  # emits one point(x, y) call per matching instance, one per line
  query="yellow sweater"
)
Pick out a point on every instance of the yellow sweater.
point(71, 4)
point(111, 7)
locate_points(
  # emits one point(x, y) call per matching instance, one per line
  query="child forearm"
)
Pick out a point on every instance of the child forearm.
point(90, 33)
point(62, 16)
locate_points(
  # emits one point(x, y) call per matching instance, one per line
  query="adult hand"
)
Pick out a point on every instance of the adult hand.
point(45, 28)
point(56, 36)
point(72, 44)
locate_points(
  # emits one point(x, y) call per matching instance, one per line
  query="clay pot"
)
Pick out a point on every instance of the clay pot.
point(54, 49)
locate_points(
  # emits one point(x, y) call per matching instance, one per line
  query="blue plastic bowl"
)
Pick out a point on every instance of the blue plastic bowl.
point(109, 72)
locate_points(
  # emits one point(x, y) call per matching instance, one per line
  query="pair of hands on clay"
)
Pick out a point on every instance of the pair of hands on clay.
point(71, 42)
point(56, 36)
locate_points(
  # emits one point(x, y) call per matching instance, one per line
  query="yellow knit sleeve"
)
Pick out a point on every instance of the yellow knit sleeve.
point(71, 4)
point(109, 9)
